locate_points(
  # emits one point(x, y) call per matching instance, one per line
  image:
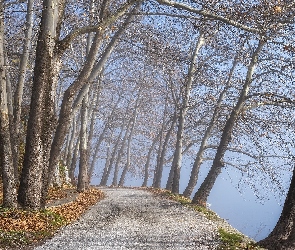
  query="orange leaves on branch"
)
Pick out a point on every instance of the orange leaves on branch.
point(277, 9)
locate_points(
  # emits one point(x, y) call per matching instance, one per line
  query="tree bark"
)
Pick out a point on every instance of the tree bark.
point(10, 115)
point(202, 194)
point(18, 97)
point(41, 117)
point(74, 162)
point(69, 154)
point(83, 183)
point(283, 235)
point(9, 187)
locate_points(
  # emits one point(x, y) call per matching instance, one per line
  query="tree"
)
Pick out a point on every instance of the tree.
point(177, 158)
point(199, 158)
point(160, 165)
point(9, 186)
point(18, 97)
point(203, 192)
point(41, 118)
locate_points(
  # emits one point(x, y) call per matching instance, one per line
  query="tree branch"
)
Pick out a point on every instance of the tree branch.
point(272, 99)
point(210, 15)
point(64, 44)
point(15, 2)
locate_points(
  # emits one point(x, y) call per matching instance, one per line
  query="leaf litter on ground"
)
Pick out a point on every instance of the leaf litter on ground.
point(23, 228)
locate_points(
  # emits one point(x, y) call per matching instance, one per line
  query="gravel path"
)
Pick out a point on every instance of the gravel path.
point(136, 219)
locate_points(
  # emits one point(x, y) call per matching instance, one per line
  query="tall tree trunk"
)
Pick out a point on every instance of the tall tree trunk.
point(69, 154)
point(83, 166)
point(92, 116)
point(134, 116)
point(198, 160)
point(160, 147)
point(95, 155)
point(160, 168)
point(181, 119)
point(171, 175)
point(65, 115)
point(127, 165)
point(10, 114)
point(106, 167)
point(202, 194)
point(148, 159)
point(41, 114)
point(100, 139)
point(74, 162)
point(9, 187)
point(283, 235)
point(120, 154)
point(18, 97)
point(109, 164)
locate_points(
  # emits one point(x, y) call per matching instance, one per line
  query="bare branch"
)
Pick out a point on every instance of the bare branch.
point(271, 99)
point(64, 44)
point(210, 15)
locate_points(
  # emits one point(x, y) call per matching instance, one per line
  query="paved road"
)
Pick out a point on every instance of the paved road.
point(135, 219)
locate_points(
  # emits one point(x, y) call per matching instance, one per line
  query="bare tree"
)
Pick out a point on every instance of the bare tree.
point(203, 192)
point(177, 158)
point(198, 160)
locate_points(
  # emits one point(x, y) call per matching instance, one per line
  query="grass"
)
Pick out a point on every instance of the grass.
point(233, 241)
